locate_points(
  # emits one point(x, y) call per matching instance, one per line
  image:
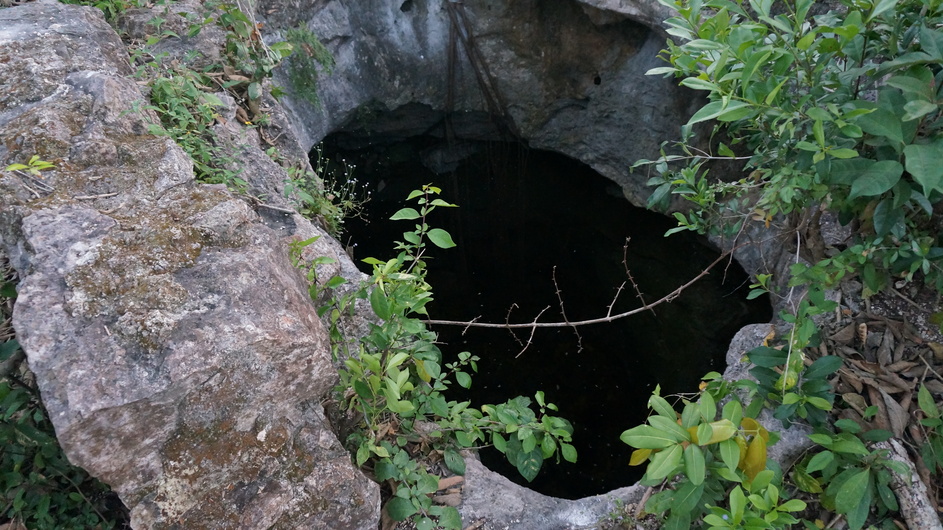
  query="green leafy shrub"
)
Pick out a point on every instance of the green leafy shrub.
point(394, 381)
point(707, 450)
point(850, 478)
point(838, 109)
point(187, 112)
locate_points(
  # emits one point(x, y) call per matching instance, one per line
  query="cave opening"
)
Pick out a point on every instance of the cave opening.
point(528, 223)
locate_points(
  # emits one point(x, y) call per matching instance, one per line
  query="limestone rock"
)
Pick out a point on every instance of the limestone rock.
point(570, 75)
point(174, 343)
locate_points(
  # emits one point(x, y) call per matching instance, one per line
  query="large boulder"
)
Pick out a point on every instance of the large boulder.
point(173, 341)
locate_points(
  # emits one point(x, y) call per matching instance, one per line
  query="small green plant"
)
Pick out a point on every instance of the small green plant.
point(110, 8)
point(760, 506)
point(931, 450)
point(705, 455)
point(850, 478)
point(247, 52)
point(394, 380)
point(187, 112)
point(333, 198)
point(310, 57)
point(34, 167)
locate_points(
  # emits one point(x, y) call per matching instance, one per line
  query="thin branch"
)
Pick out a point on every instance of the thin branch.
point(602, 320)
point(576, 331)
point(93, 197)
point(533, 328)
point(628, 274)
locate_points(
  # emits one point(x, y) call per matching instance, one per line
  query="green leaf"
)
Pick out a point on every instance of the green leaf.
point(707, 406)
point(399, 508)
point(844, 172)
point(738, 503)
point(529, 464)
point(450, 518)
point(882, 122)
point(463, 379)
point(843, 153)
point(716, 109)
point(454, 461)
point(792, 505)
point(805, 482)
point(384, 470)
point(923, 162)
point(664, 463)
point(767, 357)
point(694, 464)
point(648, 437)
point(820, 461)
point(662, 407)
point(822, 367)
point(699, 84)
point(660, 70)
point(851, 491)
point(499, 442)
point(380, 303)
point(917, 109)
point(878, 178)
point(569, 452)
point(670, 427)
point(730, 453)
point(441, 238)
point(687, 497)
point(255, 91)
point(405, 214)
point(926, 402)
point(399, 406)
point(880, 7)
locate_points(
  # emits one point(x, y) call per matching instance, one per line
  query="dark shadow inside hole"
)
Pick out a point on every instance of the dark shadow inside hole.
point(522, 215)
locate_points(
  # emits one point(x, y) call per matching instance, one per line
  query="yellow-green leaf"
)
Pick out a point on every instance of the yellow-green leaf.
point(639, 456)
point(755, 460)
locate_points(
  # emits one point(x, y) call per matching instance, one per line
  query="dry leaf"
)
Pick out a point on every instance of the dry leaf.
point(898, 415)
point(448, 482)
point(452, 499)
point(937, 350)
point(852, 379)
point(934, 386)
point(894, 384)
point(856, 401)
point(901, 366)
point(880, 420)
point(885, 353)
point(871, 368)
point(845, 335)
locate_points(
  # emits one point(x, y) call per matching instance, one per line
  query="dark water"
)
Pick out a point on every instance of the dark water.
point(523, 213)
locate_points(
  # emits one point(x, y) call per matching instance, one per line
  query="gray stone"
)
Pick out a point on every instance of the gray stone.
point(571, 75)
point(174, 343)
point(507, 506)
